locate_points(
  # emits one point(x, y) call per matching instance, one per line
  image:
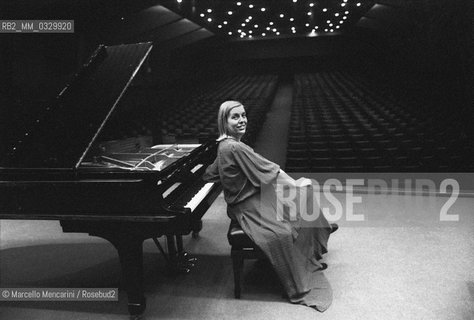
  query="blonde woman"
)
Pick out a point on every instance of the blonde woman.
point(292, 246)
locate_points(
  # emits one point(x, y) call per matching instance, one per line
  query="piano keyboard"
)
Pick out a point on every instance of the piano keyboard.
point(199, 197)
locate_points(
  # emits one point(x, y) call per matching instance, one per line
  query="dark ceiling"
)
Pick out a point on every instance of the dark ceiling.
point(258, 19)
point(238, 20)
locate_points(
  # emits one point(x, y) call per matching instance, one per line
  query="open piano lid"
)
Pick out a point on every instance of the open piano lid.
point(62, 135)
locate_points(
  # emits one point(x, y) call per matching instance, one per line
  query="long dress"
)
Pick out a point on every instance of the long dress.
point(293, 247)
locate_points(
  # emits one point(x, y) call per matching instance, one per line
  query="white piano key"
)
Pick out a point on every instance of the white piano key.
point(198, 197)
point(171, 189)
point(196, 168)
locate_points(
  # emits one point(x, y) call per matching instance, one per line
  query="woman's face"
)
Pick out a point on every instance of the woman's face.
point(237, 122)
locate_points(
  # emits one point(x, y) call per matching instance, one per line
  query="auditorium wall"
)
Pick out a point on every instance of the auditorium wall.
point(35, 66)
point(273, 55)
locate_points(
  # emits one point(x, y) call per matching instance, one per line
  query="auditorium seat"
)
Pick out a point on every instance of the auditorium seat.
point(336, 110)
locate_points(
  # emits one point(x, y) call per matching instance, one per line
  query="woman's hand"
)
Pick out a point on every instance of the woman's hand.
point(285, 179)
point(303, 182)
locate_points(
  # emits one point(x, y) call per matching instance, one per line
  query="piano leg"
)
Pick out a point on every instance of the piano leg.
point(175, 266)
point(130, 251)
point(179, 244)
point(196, 227)
point(128, 239)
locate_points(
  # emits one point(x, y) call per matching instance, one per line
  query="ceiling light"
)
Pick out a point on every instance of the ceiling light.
point(332, 30)
point(250, 36)
point(268, 28)
point(282, 15)
point(229, 13)
point(250, 31)
point(271, 23)
point(337, 27)
point(256, 26)
point(325, 30)
point(358, 4)
point(209, 10)
point(347, 12)
point(330, 24)
point(274, 30)
point(239, 3)
point(263, 34)
point(230, 33)
point(209, 20)
point(219, 26)
point(292, 19)
point(250, 6)
point(344, 17)
point(239, 31)
point(263, 9)
point(311, 4)
point(250, 17)
point(179, 1)
point(202, 15)
point(336, 14)
point(343, 4)
point(307, 24)
point(225, 22)
point(294, 31)
point(294, 1)
point(278, 33)
point(325, 9)
point(309, 13)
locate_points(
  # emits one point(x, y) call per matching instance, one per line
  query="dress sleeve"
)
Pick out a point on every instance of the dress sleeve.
point(212, 173)
point(256, 168)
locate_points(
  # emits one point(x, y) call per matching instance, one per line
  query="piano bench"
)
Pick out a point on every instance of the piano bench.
point(242, 248)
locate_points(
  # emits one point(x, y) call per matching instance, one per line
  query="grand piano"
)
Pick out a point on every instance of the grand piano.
point(61, 167)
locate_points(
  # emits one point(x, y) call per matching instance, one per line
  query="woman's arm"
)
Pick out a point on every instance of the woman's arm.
point(258, 170)
point(212, 173)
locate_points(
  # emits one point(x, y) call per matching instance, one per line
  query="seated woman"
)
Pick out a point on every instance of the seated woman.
point(292, 246)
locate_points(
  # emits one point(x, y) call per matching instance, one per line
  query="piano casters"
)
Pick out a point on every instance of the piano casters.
point(178, 260)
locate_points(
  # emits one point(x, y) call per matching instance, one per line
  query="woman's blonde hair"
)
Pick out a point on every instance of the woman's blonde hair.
point(222, 116)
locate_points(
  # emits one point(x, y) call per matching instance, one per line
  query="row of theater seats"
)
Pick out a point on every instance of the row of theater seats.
point(195, 117)
point(142, 119)
point(340, 123)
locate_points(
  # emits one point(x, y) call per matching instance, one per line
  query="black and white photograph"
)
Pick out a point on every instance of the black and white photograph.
point(221, 159)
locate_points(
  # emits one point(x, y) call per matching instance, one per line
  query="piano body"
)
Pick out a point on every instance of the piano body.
point(58, 170)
